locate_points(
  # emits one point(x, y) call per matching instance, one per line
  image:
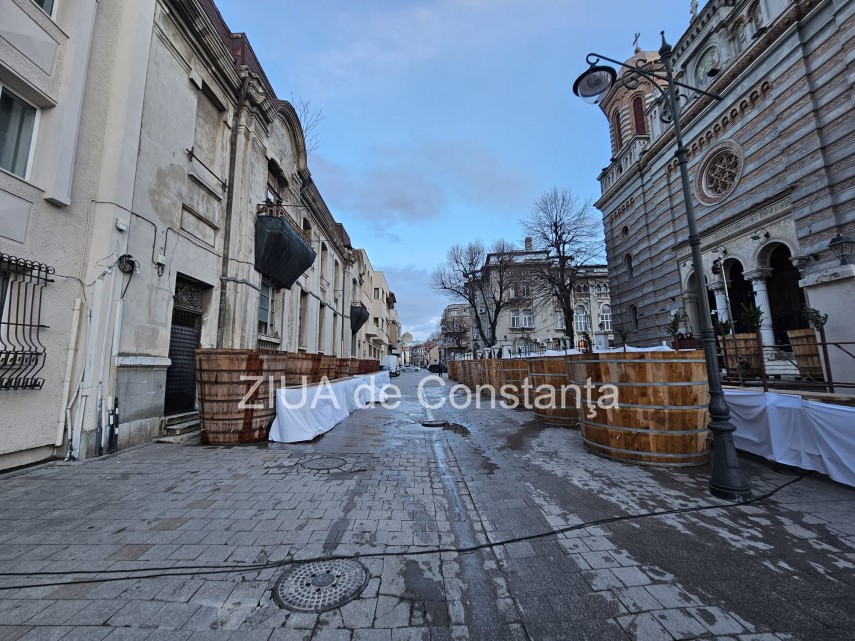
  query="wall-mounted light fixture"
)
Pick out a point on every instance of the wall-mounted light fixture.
point(760, 233)
point(842, 247)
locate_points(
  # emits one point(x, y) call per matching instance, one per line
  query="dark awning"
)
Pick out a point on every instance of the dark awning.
point(358, 316)
point(281, 253)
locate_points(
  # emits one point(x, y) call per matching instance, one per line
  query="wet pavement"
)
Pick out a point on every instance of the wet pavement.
point(491, 527)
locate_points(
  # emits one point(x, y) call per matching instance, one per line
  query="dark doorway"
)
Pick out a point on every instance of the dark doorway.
point(741, 294)
point(786, 298)
point(184, 338)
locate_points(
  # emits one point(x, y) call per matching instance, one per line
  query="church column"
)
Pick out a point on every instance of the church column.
point(690, 304)
point(758, 279)
point(718, 288)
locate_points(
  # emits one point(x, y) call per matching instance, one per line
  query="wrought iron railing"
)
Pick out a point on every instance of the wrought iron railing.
point(268, 209)
point(22, 354)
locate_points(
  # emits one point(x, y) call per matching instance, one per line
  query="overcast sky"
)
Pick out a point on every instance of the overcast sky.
point(443, 120)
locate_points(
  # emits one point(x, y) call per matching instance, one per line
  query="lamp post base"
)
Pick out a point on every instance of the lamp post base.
point(727, 481)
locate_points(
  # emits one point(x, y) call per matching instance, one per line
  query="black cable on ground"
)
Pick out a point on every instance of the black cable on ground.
point(191, 570)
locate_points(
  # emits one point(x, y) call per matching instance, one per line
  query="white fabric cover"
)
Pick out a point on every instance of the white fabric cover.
point(788, 429)
point(304, 413)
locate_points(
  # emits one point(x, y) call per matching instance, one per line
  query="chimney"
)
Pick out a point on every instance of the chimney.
point(528, 243)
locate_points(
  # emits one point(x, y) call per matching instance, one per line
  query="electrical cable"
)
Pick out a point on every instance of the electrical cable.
point(189, 570)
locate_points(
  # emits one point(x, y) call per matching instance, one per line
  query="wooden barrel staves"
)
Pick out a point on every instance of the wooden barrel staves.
point(466, 368)
point(513, 372)
point(806, 351)
point(342, 367)
point(302, 367)
point(454, 370)
point(228, 412)
point(327, 367)
point(354, 366)
point(491, 378)
point(554, 404)
point(660, 417)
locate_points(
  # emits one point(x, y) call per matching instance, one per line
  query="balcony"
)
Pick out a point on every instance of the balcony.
point(627, 157)
point(282, 251)
point(358, 316)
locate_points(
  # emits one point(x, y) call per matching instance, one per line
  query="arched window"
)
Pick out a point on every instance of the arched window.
point(638, 115)
point(617, 130)
point(606, 318)
point(633, 317)
point(628, 264)
point(581, 319)
point(756, 14)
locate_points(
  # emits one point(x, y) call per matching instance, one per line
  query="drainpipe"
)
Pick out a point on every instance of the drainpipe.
point(227, 236)
point(66, 380)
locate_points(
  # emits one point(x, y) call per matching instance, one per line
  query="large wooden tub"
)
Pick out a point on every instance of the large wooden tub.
point(513, 372)
point(302, 368)
point(465, 372)
point(327, 367)
point(224, 418)
point(806, 351)
point(454, 370)
point(489, 377)
point(555, 407)
point(342, 367)
point(661, 417)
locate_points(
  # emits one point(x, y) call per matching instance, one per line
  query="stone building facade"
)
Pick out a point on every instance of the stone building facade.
point(531, 320)
point(155, 145)
point(773, 175)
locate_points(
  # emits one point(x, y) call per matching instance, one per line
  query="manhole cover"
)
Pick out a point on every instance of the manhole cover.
point(320, 585)
point(327, 463)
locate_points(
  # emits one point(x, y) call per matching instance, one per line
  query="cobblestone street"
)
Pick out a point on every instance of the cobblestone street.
point(400, 498)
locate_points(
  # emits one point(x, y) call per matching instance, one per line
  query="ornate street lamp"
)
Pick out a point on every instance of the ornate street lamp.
point(727, 480)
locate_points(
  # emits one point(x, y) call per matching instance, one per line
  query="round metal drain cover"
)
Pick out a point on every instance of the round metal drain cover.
point(326, 463)
point(319, 586)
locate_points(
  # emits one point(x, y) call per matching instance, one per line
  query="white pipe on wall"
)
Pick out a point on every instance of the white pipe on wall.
point(66, 379)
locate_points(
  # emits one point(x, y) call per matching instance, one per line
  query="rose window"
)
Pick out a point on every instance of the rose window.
point(721, 174)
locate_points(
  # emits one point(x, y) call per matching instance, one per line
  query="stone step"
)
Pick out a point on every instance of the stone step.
point(188, 438)
point(175, 419)
point(186, 427)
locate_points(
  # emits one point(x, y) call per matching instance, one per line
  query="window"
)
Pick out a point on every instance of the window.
point(512, 291)
point(376, 293)
point(17, 122)
point(559, 320)
point(303, 333)
point(630, 272)
point(617, 131)
point(515, 318)
point(267, 309)
point(756, 15)
point(606, 318)
point(46, 6)
point(524, 290)
point(638, 115)
point(633, 317)
point(527, 318)
point(581, 318)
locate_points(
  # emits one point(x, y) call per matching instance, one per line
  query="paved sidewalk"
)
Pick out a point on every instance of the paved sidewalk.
point(780, 569)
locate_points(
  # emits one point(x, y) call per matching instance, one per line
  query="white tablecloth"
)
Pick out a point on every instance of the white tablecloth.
point(303, 413)
point(790, 430)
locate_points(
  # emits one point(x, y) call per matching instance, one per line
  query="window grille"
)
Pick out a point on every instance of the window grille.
point(22, 354)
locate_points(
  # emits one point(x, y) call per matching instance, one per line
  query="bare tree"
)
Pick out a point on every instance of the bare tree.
point(455, 331)
point(309, 119)
point(562, 225)
point(480, 278)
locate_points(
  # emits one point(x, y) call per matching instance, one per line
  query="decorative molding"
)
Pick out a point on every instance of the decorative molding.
point(188, 297)
point(154, 362)
point(759, 275)
point(739, 227)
